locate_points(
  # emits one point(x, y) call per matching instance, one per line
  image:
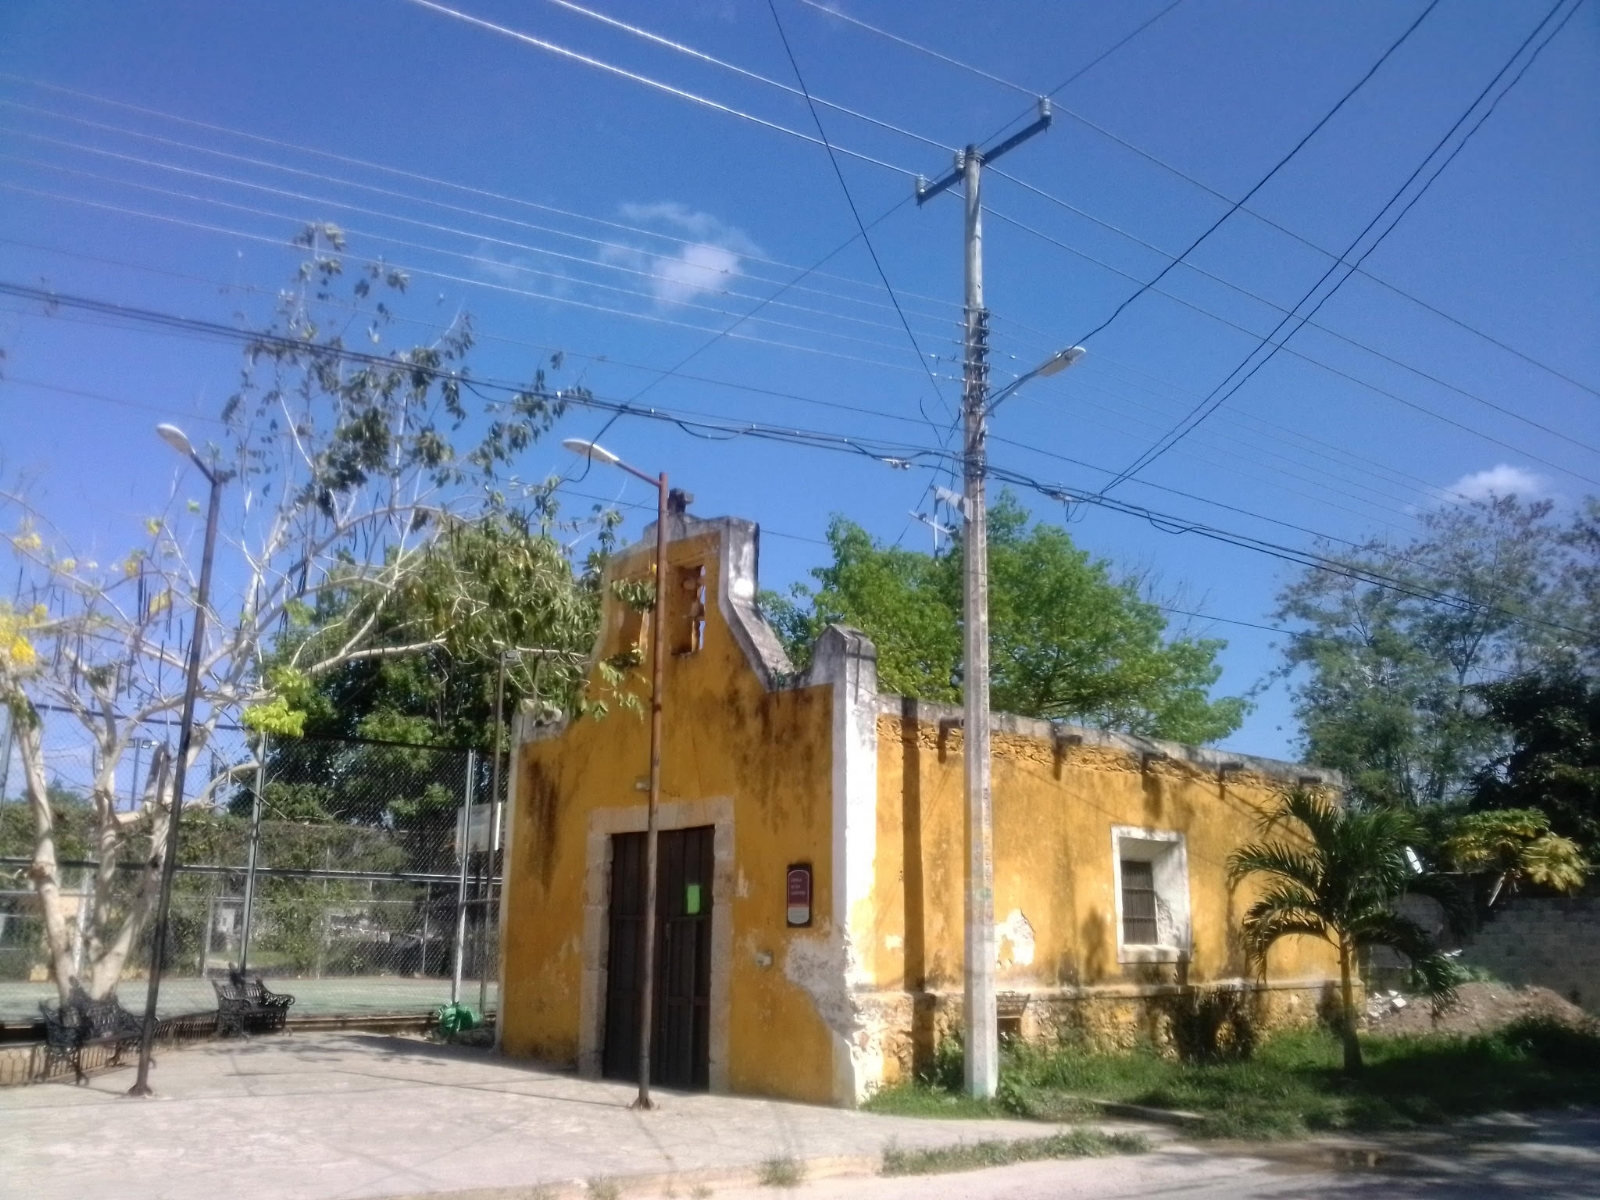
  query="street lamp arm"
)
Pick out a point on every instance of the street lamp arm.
point(1053, 365)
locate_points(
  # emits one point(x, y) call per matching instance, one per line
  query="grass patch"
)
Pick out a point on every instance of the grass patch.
point(782, 1172)
point(601, 1188)
point(970, 1156)
point(1294, 1084)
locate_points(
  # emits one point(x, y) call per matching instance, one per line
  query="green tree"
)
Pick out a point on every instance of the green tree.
point(1339, 876)
point(1551, 763)
point(1069, 638)
point(344, 467)
point(1386, 681)
point(1511, 846)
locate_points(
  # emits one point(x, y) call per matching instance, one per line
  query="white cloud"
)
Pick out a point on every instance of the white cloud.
point(1500, 480)
point(707, 263)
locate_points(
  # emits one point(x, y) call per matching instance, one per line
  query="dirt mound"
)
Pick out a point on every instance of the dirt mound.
point(1479, 1008)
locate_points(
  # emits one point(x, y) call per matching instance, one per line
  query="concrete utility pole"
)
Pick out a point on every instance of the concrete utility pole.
point(981, 1033)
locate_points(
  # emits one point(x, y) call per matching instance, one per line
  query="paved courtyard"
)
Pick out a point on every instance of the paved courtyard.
point(325, 1116)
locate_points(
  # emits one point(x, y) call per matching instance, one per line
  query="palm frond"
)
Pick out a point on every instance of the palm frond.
point(1275, 858)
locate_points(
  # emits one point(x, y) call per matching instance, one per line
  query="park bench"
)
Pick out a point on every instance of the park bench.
point(244, 1005)
point(82, 1024)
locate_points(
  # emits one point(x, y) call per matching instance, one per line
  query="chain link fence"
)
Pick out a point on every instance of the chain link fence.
point(361, 876)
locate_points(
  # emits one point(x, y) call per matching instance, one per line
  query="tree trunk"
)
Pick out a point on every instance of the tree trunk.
point(1347, 998)
point(44, 871)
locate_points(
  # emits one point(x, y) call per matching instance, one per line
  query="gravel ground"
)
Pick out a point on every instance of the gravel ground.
point(1479, 1008)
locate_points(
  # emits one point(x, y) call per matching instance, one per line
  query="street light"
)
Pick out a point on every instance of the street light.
point(1054, 365)
point(179, 441)
point(597, 453)
point(978, 954)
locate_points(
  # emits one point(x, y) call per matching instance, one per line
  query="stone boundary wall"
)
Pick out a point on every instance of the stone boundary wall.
point(1546, 941)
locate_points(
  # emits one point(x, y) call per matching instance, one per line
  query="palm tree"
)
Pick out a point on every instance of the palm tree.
point(1339, 880)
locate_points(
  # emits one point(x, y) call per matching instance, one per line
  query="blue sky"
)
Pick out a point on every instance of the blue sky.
point(572, 183)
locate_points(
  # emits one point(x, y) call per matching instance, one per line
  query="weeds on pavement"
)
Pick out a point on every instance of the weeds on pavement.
point(969, 1156)
point(784, 1172)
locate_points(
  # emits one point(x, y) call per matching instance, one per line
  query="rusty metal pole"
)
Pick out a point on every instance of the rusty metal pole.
point(658, 644)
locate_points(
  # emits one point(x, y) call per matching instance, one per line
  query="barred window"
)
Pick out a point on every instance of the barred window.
point(1139, 903)
point(1151, 872)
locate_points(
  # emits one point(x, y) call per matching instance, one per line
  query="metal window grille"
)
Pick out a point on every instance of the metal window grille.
point(1139, 903)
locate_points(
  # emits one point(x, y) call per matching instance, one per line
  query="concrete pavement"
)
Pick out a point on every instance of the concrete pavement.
point(335, 1116)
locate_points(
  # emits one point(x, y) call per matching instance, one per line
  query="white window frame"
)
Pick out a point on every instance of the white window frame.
point(1166, 851)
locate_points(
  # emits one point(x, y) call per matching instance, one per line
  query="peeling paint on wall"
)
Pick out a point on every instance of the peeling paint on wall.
point(1013, 939)
point(819, 967)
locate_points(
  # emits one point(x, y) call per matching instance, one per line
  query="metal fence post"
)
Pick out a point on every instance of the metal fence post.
point(427, 932)
point(253, 852)
point(463, 852)
point(495, 810)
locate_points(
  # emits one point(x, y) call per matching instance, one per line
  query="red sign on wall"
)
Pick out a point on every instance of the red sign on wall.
point(799, 894)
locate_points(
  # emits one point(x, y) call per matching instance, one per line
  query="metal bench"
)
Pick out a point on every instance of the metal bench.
point(83, 1024)
point(245, 1005)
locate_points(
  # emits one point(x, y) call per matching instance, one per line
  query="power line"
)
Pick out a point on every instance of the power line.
point(766, 529)
point(1342, 374)
point(600, 243)
point(944, 58)
point(900, 455)
point(669, 89)
point(1273, 304)
point(1428, 492)
point(1278, 166)
point(414, 176)
point(656, 371)
point(658, 40)
point(1209, 405)
point(494, 263)
point(484, 284)
point(1205, 187)
point(855, 213)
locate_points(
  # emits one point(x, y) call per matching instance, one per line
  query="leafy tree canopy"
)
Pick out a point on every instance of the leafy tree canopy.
point(1387, 680)
point(1069, 638)
point(1552, 761)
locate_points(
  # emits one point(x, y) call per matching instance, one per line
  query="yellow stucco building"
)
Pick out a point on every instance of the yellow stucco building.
point(813, 859)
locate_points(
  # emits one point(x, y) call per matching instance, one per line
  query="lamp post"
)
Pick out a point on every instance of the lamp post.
point(978, 965)
point(176, 438)
point(596, 453)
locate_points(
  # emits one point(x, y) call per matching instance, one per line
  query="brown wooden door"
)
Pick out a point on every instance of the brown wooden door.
point(680, 1044)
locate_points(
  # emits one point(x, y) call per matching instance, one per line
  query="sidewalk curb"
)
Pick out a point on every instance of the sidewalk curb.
point(680, 1183)
point(661, 1183)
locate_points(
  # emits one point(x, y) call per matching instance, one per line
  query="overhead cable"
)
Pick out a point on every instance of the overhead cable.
point(1218, 396)
point(495, 264)
point(483, 193)
point(1205, 187)
point(1276, 167)
point(1316, 362)
point(895, 454)
point(1426, 490)
point(855, 213)
point(669, 89)
point(680, 48)
point(469, 281)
